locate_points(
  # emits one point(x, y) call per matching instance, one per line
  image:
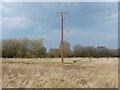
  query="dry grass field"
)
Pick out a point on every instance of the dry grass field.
point(50, 73)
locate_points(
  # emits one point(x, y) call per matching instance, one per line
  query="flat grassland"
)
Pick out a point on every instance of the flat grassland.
point(51, 73)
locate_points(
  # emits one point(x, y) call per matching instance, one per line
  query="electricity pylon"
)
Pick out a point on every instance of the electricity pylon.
point(62, 34)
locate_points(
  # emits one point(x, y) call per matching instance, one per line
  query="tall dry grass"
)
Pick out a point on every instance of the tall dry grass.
point(50, 73)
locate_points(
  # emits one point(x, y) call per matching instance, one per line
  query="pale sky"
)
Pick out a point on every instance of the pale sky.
point(87, 23)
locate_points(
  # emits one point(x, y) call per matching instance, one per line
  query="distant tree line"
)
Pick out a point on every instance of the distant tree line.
point(31, 48)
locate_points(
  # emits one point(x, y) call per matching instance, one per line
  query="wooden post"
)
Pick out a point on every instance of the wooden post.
point(62, 37)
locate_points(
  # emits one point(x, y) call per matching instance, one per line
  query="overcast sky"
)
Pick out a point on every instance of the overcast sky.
point(87, 24)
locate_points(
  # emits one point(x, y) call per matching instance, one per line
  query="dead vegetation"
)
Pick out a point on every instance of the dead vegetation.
point(50, 73)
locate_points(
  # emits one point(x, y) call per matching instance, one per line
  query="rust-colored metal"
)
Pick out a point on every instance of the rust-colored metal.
point(62, 37)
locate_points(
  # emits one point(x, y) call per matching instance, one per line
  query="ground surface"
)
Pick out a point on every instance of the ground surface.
point(50, 73)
